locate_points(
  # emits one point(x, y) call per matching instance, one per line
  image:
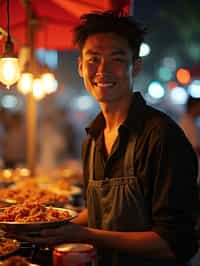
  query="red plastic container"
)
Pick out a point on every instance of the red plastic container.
point(74, 255)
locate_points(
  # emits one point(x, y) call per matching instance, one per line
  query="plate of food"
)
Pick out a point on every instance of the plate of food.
point(5, 202)
point(32, 217)
point(8, 246)
point(35, 194)
point(70, 190)
point(16, 260)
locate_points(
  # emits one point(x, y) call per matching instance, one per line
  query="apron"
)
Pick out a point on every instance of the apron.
point(118, 204)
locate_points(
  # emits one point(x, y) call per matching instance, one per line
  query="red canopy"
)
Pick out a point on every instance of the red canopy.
point(54, 20)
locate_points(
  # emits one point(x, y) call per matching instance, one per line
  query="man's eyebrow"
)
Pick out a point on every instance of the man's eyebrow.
point(91, 52)
point(115, 52)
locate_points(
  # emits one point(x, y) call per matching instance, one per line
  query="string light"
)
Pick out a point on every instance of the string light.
point(9, 66)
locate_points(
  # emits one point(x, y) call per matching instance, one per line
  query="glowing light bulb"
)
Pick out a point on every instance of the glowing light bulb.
point(49, 82)
point(37, 89)
point(9, 71)
point(25, 83)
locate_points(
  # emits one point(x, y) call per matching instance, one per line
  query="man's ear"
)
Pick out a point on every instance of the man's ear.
point(137, 66)
point(80, 66)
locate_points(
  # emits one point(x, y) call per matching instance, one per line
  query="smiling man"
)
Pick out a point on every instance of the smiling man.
point(139, 169)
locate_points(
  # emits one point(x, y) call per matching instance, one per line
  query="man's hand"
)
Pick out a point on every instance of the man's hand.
point(67, 233)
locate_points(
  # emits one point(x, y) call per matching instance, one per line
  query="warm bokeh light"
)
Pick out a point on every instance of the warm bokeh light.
point(25, 83)
point(183, 76)
point(37, 89)
point(49, 82)
point(9, 71)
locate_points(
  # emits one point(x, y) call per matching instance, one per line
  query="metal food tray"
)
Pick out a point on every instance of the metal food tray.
point(17, 227)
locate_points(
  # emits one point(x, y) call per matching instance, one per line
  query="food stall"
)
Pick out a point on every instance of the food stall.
point(29, 204)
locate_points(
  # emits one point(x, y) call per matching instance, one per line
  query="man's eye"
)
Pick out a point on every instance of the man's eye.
point(93, 60)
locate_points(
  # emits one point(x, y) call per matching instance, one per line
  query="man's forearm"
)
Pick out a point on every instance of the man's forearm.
point(144, 244)
point(82, 218)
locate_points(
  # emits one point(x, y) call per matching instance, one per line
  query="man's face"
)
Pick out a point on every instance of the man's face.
point(106, 65)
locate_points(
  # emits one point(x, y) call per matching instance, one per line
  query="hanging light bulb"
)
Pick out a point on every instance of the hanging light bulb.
point(9, 71)
point(9, 67)
point(25, 82)
point(49, 82)
point(37, 89)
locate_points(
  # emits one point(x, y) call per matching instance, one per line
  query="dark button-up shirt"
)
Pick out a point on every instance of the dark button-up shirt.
point(165, 165)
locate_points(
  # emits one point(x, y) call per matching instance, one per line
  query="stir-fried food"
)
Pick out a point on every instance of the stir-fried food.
point(32, 212)
point(34, 193)
point(16, 261)
point(7, 246)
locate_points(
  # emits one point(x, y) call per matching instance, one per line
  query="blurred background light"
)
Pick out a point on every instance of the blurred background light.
point(24, 84)
point(164, 73)
point(48, 57)
point(49, 82)
point(183, 76)
point(144, 50)
point(194, 51)
point(156, 90)
point(170, 63)
point(178, 95)
point(9, 70)
point(9, 101)
point(194, 89)
point(172, 84)
point(37, 89)
point(82, 103)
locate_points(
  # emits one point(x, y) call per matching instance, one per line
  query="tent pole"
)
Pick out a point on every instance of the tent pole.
point(31, 105)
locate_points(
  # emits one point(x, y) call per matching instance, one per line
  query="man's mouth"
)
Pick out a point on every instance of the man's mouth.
point(104, 84)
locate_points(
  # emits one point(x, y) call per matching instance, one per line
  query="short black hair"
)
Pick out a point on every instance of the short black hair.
point(110, 22)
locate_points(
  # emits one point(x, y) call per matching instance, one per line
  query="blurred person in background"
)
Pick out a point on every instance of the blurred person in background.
point(15, 141)
point(68, 129)
point(188, 122)
point(3, 119)
point(139, 168)
point(51, 144)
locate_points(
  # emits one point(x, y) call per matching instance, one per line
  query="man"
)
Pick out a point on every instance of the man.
point(139, 169)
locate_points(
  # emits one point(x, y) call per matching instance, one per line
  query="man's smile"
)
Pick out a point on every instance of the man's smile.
point(104, 84)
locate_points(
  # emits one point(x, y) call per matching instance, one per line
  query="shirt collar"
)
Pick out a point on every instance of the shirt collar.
point(133, 122)
point(96, 126)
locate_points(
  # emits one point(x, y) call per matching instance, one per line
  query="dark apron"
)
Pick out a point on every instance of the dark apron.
point(118, 204)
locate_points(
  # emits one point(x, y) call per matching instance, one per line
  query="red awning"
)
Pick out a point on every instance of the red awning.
point(54, 21)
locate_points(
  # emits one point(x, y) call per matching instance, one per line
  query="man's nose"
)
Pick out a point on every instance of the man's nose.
point(104, 66)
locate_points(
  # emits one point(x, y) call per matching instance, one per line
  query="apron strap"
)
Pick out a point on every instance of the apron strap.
point(91, 160)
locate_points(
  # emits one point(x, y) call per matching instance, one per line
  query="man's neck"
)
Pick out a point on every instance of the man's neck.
point(115, 113)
